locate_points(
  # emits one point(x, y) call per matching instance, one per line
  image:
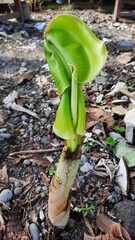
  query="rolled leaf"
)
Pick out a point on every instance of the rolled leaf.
point(78, 46)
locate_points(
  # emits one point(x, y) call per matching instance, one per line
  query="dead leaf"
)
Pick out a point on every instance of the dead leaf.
point(96, 115)
point(122, 176)
point(125, 57)
point(3, 177)
point(25, 76)
point(106, 225)
point(9, 102)
point(34, 158)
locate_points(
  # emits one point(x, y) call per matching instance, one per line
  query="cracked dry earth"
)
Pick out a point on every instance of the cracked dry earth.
point(29, 150)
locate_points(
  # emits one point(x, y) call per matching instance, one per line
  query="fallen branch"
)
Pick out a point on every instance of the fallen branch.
point(36, 151)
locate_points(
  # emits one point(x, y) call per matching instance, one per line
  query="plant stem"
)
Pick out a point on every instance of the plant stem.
point(59, 201)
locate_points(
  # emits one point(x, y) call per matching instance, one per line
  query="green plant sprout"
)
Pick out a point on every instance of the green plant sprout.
point(111, 141)
point(129, 87)
point(75, 56)
point(119, 129)
point(85, 209)
point(51, 171)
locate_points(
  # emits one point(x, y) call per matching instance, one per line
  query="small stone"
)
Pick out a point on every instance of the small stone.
point(83, 159)
point(99, 98)
point(38, 189)
point(100, 80)
point(37, 139)
point(41, 215)
point(125, 211)
point(117, 136)
point(6, 195)
point(35, 170)
point(17, 191)
point(130, 117)
point(130, 133)
point(45, 140)
point(80, 178)
point(86, 167)
point(126, 46)
point(47, 112)
point(34, 231)
point(26, 162)
point(119, 110)
point(17, 184)
point(5, 135)
point(117, 189)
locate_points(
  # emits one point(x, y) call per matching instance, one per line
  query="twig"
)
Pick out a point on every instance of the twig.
point(127, 93)
point(36, 151)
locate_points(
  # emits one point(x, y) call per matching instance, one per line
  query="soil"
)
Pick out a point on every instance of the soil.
point(28, 174)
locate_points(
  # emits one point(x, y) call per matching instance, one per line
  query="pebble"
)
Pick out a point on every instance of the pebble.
point(100, 80)
point(130, 133)
point(47, 112)
point(119, 110)
point(26, 162)
point(83, 159)
point(86, 167)
point(38, 189)
point(45, 140)
point(17, 191)
point(35, 170)
point(80, 178)
point(17, 184)
point(5, 135)
point(34, 231)
point(6, 195)
point(41, 215)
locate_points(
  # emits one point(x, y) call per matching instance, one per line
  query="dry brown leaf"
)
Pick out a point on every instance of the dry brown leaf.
point(95, 115)
point(25, 76)
point(34, 158)
point(125, 57)
point(106, 225)
point(40, 161)
point(101, 237)
point(3, 177)
point(112, 230)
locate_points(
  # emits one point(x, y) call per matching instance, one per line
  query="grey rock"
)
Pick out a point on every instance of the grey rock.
point(125, 211)
point(126, 46)
point(17, 184)
point(26, 162)
point(117, 136)
point(17, 191)
point(99, 98)
point(86, 167)
point(130, 133)
point(6, 195)
point(5, 135)
point(45, 140)
point(80, 178)
point(83, 159)
point(100, 80)
point(40, 26)
point(37, 139)
point(34, 231)
point(41, 215)
point(47, 112)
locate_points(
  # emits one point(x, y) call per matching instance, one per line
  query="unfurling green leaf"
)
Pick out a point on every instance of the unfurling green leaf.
point(75, 56)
